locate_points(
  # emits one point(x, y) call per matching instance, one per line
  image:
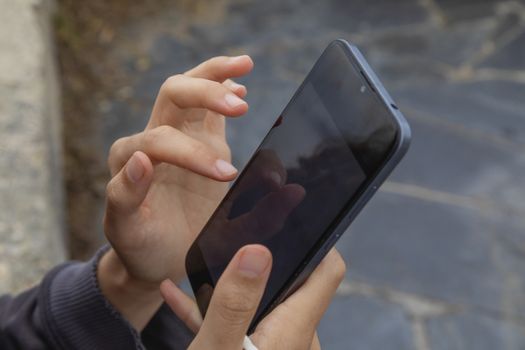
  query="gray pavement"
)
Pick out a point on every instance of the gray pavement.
point(437, 260)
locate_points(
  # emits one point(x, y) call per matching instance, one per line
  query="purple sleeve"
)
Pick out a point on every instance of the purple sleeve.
point(68, 311)
point(77, 316)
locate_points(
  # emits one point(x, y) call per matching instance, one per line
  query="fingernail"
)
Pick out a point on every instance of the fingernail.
point(134, 169)
point(275, 177)
point(236, 58)
point(253, 262)
point(235, 86)
point(167, 283)
point(225, 168)
point(233, 101)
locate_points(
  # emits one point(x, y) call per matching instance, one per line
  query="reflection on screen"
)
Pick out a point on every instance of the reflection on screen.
point(317, 156)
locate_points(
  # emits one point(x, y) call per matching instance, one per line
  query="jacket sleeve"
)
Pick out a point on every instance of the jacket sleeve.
point(66, 311)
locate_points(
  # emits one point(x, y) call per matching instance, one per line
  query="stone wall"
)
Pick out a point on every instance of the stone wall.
point(31, 205)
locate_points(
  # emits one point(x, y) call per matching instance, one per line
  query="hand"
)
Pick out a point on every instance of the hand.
point(291, 325)
point(166, 182)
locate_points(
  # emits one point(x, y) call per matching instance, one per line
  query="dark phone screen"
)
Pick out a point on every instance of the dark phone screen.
point(331, 138)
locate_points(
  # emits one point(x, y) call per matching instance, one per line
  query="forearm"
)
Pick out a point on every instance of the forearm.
point(137, 301)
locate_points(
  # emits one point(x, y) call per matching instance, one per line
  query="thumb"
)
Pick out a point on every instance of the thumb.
point(128, 188)
point(235, 299)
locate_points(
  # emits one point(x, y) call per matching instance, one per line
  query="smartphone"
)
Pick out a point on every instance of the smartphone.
point(334, 144)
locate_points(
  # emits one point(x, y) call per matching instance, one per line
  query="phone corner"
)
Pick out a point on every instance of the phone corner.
point(405, 135)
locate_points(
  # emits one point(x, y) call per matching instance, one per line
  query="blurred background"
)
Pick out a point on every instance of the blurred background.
point(436, 260)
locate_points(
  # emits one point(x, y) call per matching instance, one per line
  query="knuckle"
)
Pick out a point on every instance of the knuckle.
point(171, 83)
point(116, 150)
point(112, 193)
point(162, 130)
point(173, 80)
point(115, 147)
point(153, 136)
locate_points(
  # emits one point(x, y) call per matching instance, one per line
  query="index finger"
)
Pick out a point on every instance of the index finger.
point(222, 67)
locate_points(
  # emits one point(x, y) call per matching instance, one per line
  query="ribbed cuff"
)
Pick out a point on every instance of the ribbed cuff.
point(79, 316)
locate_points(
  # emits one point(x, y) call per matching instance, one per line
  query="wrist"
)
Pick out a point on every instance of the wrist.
point(135, 299)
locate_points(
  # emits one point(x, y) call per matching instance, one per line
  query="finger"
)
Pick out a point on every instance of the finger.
point(321, 287)
point(222, 67)
point(316, 344)
point(238, 89)
point(169, 145)
point(235, 299)
point(126, 190)
point(182, 305)
point(190, 92)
